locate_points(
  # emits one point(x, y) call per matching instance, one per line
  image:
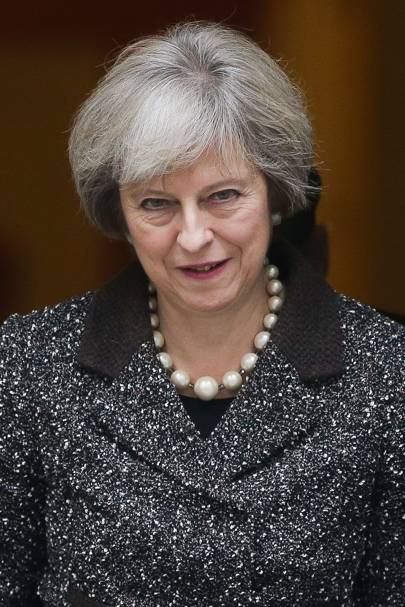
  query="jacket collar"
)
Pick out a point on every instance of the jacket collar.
point(308, 331)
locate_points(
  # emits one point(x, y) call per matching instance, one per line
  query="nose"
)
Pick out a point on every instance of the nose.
point(194, 232)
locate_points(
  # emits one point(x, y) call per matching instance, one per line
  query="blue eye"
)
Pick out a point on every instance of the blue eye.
point(155, 204)
point(224, 195)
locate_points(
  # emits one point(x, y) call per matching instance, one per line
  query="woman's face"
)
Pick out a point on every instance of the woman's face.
point(201, 233)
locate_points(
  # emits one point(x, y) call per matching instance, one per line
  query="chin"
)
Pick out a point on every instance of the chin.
point(208, 303)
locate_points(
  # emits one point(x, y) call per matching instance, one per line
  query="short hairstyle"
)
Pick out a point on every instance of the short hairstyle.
point(171, 97)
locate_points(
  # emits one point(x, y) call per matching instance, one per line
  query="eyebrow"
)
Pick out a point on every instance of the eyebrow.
point(212, 186)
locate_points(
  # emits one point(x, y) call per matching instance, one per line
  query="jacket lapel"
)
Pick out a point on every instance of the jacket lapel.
point(141, 411)
point(269, 415)
point(143, 414)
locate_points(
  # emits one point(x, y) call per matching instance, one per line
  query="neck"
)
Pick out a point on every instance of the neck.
point(212, 342)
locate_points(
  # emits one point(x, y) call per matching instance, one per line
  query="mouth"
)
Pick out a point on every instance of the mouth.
point(204, 269)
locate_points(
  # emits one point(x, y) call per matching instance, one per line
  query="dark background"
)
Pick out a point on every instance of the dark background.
point(347, 56)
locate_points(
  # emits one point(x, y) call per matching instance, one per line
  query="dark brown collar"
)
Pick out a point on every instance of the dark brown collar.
point(308, 331)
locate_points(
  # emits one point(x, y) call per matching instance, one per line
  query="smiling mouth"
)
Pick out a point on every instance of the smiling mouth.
point(204, 268)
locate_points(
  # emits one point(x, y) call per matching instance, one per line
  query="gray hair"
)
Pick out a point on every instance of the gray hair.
point(170, 98)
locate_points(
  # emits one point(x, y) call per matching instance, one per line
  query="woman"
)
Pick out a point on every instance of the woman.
point(212, 427)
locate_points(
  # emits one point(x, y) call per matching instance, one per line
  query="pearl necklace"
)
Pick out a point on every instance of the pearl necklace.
point(206, 387)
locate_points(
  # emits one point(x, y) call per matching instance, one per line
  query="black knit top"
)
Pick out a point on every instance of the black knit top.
point(205, 414)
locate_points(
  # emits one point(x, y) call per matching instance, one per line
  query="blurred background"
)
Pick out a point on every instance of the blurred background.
point(348, 57)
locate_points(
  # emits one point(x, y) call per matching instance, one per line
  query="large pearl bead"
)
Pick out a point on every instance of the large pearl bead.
point(248, 361)
point(274, 287)
point(151, 288)
point(180, 378)
point(232, 380)
point(275, 303)
point(152, 304)
point(206, 387)
point(261, 340)
point(271, 272)
point(165, 359)
point(158, 339)
point(270, 320)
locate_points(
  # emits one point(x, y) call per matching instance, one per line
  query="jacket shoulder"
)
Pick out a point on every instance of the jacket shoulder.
point(374, 341)
point(363, 320)
point(44, 333)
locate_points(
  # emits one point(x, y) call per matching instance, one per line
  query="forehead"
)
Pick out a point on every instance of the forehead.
point(209, 170)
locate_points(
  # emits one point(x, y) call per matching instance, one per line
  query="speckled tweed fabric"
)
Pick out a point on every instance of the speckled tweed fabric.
point(109, 496)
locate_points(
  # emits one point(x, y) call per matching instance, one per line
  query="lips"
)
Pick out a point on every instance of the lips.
point(203, 271)
point(204, 267)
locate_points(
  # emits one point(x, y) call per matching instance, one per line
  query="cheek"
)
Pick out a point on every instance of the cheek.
point(151, 245)
point(253, 228)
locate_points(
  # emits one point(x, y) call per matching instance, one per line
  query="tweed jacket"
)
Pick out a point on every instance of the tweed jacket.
point(110, 497)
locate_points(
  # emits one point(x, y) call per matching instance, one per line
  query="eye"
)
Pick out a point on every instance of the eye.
point(155, 204)
point(224, 195)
